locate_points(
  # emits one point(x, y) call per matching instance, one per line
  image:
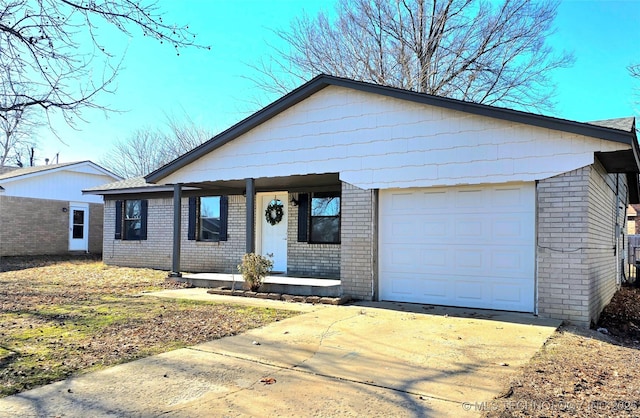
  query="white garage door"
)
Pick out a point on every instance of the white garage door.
point(470, 246)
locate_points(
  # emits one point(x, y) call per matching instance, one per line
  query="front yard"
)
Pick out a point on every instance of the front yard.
point(60, 317)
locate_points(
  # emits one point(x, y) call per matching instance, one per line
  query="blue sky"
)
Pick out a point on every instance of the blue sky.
point(211, 86)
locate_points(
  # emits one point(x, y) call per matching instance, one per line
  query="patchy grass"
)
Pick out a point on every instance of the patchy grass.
point(64, 316)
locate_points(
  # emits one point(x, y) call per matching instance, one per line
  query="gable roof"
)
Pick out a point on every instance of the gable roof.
point(43, 169)
point(622, 130)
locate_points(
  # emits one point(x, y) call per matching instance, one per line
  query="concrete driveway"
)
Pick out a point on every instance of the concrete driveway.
point(373, 359)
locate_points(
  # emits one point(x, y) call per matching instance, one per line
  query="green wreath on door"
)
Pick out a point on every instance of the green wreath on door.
point(274, 212)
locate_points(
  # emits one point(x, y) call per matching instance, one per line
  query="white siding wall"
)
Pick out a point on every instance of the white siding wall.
point(60, 185)
point(381, 142)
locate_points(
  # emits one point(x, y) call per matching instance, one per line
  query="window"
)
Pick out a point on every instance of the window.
point(209, 228)
point(324, 219)
point(208, 218)
point(131, 219)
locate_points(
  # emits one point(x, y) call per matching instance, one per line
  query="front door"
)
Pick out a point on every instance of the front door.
point(78, 227)
point(273, 231)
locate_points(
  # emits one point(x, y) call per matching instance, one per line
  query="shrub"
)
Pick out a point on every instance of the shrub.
point(254, 268)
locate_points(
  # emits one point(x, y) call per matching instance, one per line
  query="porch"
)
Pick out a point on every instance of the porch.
point(290, 285)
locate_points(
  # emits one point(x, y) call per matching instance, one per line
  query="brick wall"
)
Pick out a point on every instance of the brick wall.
point(312, 260)
point(316, 260)
point(604, 254)
point(358, 271)
point(155, 251)
point(96, 216)
point(219, 257)
point(40, 227)
point(576, 258)
point(563, 280)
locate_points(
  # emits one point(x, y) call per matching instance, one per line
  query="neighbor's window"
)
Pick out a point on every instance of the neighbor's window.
point(209, 225)
point(325, 218)
point(132, 219)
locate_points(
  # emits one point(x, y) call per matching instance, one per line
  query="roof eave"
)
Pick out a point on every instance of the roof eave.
point(134, 190)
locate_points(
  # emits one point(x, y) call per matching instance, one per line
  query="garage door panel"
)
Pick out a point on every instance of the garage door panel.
point(403, 229)
point(498, 261)
point(467, 246)
point(468, 292)
point(436, 229)
point(417, 259)
point(477, 292)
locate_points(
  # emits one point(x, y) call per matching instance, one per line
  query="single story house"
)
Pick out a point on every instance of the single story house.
point(400, 195)
point(43, 210)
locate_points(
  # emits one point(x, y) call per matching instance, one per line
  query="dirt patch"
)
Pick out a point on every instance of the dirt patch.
point(64, 316)
point(582, 372)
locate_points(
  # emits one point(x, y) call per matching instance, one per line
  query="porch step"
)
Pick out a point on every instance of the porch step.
point(297, 286)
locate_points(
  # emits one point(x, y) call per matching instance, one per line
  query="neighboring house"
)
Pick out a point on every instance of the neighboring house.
point(43, 210)
point(632, 219)
point(402, 196)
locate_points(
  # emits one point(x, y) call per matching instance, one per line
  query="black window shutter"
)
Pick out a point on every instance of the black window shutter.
point(224, 217)
point(118, 219)
point(303, 217)
point(144, 209)
point(191, 232)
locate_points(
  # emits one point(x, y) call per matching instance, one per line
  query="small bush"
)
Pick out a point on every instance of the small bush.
point(254, 268)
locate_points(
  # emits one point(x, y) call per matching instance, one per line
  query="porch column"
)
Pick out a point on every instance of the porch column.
point(251, 212)
point(177, 221)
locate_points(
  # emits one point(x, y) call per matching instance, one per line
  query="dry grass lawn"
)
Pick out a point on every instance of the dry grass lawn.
point(60, 317)
point(64, 316)
point(582, 372)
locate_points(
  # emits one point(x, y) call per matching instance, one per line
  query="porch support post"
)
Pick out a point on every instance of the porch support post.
point(177, 221)
point(251, 211)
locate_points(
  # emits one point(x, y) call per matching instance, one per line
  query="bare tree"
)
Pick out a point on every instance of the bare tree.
point(16, 131)
point(15, 136)
point(148, 149)
point(53, 52)
point(474, 50)
point(137, 155)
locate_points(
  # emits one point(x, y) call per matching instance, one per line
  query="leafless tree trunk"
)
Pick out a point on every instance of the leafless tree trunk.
point(474, 50)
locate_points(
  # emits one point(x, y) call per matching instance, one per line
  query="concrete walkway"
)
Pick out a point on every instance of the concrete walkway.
point(374, 359)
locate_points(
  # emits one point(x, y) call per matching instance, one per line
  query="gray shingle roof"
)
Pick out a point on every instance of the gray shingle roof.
point(17, 172)
point(6, 169)
point(132, 183)
point(137, 184)
point(621, 124)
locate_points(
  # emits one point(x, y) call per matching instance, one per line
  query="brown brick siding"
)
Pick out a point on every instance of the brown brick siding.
point(40, 227)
